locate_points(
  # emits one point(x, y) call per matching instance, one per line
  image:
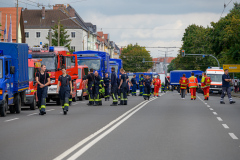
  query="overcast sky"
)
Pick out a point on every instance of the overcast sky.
point(149, 23)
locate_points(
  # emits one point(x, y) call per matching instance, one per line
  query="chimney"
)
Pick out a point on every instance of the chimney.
point(72, 12)
point(43, 12)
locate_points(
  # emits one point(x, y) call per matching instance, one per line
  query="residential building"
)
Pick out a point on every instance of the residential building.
point(116, 52)
point(92, 37)
point(13, 12)
point(37, 24)
point(161, 63)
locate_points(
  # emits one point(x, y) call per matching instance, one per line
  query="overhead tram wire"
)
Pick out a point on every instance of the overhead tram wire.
point(140, 28)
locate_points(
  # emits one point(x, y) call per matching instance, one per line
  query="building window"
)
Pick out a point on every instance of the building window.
point(73, 48)
point(38, 34)
point(73, 34)
point(27, 34)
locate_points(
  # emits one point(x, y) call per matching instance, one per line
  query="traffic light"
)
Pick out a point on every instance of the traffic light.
point(183, 53)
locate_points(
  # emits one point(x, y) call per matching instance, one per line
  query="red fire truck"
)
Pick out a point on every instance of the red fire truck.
point(31, 94)
point(54, 59)
point(81, 84)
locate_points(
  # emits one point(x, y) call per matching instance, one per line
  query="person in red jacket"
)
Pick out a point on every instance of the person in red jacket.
point(183, 86)
point(193, 84)
point(207, 83)
point(157, 85)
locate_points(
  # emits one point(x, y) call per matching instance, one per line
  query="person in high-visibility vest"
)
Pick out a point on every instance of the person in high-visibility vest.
point(157, 85)
point(193, 84)
point(183, 86)
point(207, 82)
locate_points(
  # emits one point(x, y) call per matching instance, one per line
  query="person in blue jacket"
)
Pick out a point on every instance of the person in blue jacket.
point(147, 87)
point(134, 85)
point(114, 87)
point(141, 87)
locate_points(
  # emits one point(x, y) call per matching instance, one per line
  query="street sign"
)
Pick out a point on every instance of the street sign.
point(232, 68)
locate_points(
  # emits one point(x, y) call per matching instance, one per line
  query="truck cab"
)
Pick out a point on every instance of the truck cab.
point(215, 73)
point(34, 66)
point(116, 66)
point(81, 83)
point(14, 80)
point(98, 61)
point(54, 59)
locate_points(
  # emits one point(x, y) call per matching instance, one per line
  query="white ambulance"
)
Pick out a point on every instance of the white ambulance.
point(215, 73)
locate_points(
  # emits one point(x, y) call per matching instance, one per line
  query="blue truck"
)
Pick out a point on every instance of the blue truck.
point(177, 74)
point(97, 60)
point(119, 62)
point(14, 79)
point(116, 66)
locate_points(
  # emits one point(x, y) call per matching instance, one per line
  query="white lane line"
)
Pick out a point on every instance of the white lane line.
point(32, 114)
point(211, 109)
point(208, 106)
point(79, 144)
point(233, 135)
point(219, 118)
point(93, 142)
point(50, 110)
point(225, 126)
point(11, 119)
point(215, 113)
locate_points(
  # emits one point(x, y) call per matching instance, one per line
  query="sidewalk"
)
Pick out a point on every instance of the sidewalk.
point(236, 94)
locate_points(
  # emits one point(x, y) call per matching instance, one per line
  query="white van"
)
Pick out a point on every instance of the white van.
point(215, 73)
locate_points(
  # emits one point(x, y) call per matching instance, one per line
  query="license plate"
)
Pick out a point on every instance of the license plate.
point(215, 91)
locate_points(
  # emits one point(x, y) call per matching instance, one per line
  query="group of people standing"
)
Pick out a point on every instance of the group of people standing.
point(118, 87)
point(192, 84)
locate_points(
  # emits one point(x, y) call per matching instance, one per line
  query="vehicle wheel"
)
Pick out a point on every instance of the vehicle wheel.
point(33, 105)
point(87, 97)
point(3, 109)
point(17, 104)
point(11, 109)
point(47, 100)
point(81, 97)
point(58, 102)
point(74, 99)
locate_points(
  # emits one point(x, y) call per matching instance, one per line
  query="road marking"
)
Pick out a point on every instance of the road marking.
point(211, 109)
point(11, 119)
point(93, 142)
point(32, 114)
point(50, 110)
point(225, 126)
point(233, 135)
point(79, 144)
point(206, 103)
point(219, 118)
point(208, 106)
point(215, 113)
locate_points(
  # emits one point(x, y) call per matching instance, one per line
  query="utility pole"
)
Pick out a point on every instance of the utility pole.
point(17, 24)
point(50, 37)
point(58, 33)
point(165, 63)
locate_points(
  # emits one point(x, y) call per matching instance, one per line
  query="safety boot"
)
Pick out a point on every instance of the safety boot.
point(231, 102)
point(221, 102)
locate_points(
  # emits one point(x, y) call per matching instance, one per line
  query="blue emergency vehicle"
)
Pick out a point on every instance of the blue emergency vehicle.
point(14, 79)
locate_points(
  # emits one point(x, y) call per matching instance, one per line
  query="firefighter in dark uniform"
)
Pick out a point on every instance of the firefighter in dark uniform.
point(141, 87)
point(124, 86)
point(43, 80)
point(106, 82)
point(65, 89)
point(119, 90)
point(147, 87)
point(98, 83)
point(90, 83)
point(134, 85)
point(114, 87)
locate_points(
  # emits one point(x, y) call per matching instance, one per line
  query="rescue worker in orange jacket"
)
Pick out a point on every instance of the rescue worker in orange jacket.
point(193, 84)
point(183, 86)
point(205, 85)
point(157, 85)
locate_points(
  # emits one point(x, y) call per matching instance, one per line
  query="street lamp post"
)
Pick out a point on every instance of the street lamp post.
point(59, 28)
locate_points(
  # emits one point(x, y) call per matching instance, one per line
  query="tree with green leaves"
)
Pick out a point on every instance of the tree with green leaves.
point(132, 57)
point(64, 41)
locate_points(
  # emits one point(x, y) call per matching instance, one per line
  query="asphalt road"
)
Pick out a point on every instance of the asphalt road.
point(164, 128)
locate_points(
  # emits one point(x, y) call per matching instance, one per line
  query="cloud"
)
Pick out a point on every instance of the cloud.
point(150, 29)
